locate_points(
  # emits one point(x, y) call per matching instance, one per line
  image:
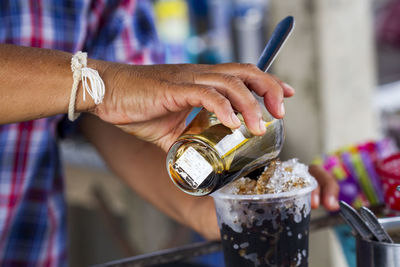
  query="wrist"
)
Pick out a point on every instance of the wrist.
point(88, 105)
point(116, 78)
point(83, 105)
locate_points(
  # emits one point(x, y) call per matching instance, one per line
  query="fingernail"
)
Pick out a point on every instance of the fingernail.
point(282, 109)
point(288, 87)
point(235, 120)
point(333, 202)
point(316, 199)
point(262, 126)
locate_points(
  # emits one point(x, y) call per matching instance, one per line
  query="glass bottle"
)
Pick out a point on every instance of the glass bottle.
point(208, 155)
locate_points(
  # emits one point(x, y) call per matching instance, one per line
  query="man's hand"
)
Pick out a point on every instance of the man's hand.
point(152, 102)
point(327, 191)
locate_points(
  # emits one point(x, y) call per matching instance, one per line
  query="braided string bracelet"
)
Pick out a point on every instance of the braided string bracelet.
point(91, 83)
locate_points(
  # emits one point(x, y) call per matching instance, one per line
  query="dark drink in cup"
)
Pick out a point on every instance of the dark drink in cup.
point(266, 222)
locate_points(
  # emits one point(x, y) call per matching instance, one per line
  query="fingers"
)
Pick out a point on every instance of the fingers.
point(239, 96)
point(226, 88)
point(315, 198)
point(210, 99)
point(273, 100)
point(288, 91)
point(329, 189)
point(272, 89)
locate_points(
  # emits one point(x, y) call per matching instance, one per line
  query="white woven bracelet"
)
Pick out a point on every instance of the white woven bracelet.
point(91, 82)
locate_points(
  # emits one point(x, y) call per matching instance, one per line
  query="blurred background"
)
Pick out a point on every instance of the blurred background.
point(343, 59)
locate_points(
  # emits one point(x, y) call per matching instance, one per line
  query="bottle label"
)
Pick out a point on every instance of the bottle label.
point(231, 142)
point(192, 167)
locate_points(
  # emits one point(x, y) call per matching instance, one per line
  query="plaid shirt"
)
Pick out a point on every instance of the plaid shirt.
point(32, 203)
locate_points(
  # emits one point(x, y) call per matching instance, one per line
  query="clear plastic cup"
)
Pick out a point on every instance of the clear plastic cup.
point(265, 230)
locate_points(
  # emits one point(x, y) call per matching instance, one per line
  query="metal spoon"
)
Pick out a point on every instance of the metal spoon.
point(277, 40)
point(353, 219)
point(377, 229)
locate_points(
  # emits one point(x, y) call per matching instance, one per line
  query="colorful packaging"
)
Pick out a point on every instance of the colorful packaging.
point(355, 168)
point(389, 171)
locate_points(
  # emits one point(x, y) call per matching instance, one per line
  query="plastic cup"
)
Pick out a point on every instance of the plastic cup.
point(265, 230)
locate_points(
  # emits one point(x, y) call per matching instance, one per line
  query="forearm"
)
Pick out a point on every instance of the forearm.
point(36, 83)
point(142, 166)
